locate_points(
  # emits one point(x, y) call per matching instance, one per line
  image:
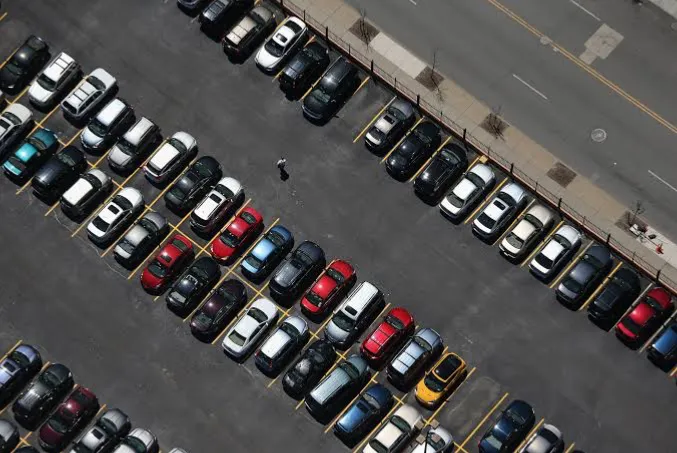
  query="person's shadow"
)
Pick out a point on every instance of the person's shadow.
point(283, 174)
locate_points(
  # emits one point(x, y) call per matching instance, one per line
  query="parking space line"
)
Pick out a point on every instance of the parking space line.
point(402, 139)
point(418, 172)
point(600, 287)
point(444, 403)
point(674, 371)
point(518, 217)
point(364, 82)
point(44, 367)
point(542, 244)
point(373, 120)
point(484, 420)
point(661, 329)
point(568, 267)
point(312, 38)
point(8, 58)
point(3, 17)
point(528, 436)
point(485, 202)
point(338, 417)
point(10, 350)
point(571, 447)
point(51, 208)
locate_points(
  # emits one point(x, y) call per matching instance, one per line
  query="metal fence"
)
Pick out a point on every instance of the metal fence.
point(556, 202)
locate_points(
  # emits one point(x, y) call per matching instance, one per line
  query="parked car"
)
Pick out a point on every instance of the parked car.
point(282, 345)
point(390, 126)
point(500, 211)
point(141, 239)
point(647, 316)
point(468, 192)
point(353, 316)
point(418, 353)
point(332, 91)
point(238, 235)
point(249, 329)
point(134, 146)
point(24, 64)
point(241, 40)
point(267, 253)
point(585, 276)
point(309, 368)
point(219, 310)
point(30, 155)
point(622, 289)
point(388, 336)
point(114, 119)
point(364, 414)
point(105, 434)
point(663, 351)
point(413, 151)
point(59, 75)
point(559, 249)
point(510, 429)
point(328, 290)
point(9, 436)
point(192, 6)
point(219, 13)
point(441, 380)
point(400, 429)
point(170, 158)
point(169, 262)
point(138, 441)
point(14, 122)
point(302, 267)
point(59, 173)
point(37, 400)
point(193, 286)
point(71, 417)
point(305, 68)
point(89, 94)
point(338, 388)
point(16, 370)
point(193, 184)
point(437, 440)
point(548, 439)
point(443, 170)
point(524, 236)
point(116, 216)
point(219, 204)
point(289, 37)
point(87, 192)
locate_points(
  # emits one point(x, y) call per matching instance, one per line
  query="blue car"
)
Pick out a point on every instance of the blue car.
point(32, 153)
point(267, 253)
point(365, 413)
point(20, 366)
point(510, 429)
point(663, 352)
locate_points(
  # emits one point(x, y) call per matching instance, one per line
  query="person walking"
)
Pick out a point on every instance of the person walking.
point(281, 164)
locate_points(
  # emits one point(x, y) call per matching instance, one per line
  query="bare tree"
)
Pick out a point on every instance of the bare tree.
point(435, 78)
point(633, 217)
point(494, 124)
point(364, 28)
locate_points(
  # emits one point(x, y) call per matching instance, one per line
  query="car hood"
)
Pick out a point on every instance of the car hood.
point(265, 59)
point(89, 138)
point(8, 78)
point(315, 105)
point(118, 157)
point(38, 93)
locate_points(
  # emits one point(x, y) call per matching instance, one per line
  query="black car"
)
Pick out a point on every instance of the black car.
point(193, 285)
point(585, 276)
point(42, 396)
point(301, 269)
point(510, 429)
point(59, 173)
point(24, 65)
point(308, 369)
point(20, 366)
point(615, 298)
point(193, 184)
point(249, 33)
point(27, 450)
point(304, 69)
point(331, 92)
point(221, 13)
point(219, 310)
point(414, 150)
point(390, 127)
point(443, 170)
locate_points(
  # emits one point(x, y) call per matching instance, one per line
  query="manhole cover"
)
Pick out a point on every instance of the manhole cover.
point(545, 40)
point(598, 135)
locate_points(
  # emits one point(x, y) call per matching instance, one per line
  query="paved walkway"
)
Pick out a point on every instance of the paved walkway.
point(669, 6)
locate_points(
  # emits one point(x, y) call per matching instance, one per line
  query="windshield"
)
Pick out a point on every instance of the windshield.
point(433, 383)
point(13, 68)
point(59, 422)
point(544, 261)
point(400, 423)
point(631, 325)
point(494, 442)
point(572, 285)
point(314, 299)
point(534, 221)
point(97, 127)
point(230, 239)
point(454, 200)
point(257, 314)
point(254, 261)
point(157, 268)
point(377, 446)
point(237, 338)
point(135, 444)
point(274, 48)
point(126, 246)
point(203, 318)
point(125, 147)
point(177, 192)
point(101, 224)
point(46, 83)
point(422, 343)
point(17, 163)
point(653, 303)
point(487, 221)
point(336, 276)
point(342, 321)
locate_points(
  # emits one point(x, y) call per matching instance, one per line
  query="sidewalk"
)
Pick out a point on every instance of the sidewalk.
point(530, 163)
point(669, 6)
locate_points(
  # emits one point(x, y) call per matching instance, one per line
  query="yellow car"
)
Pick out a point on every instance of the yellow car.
point(437, 383)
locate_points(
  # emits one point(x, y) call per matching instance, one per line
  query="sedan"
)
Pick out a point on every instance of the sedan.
point(9, 436)
point(388, 336)
point(237, 236)
point(510, 429)
point(308, 369)
point(290, 35)
point(241, 40)
point(168, 160)
point(250, 329)
point(646, 317)
point(24, 64)
point(88, 191)
point(364, 414)
point(304, 69)
point(139, 441)
point(68, 420)
point(414, 358)
point(167, 264)
point(267, 253)
point(400, 429)
point(465, 195)
point(548, 439)
point(304, 265)
point(219, 310)
point(555, 253)
point(141, 239)
point(117, 215)
point(16, 369)
point(284, 343)
point(416, 148)
point(59, 173)
point(663, 351)
point(105, 434)
point(390, 126)
point(14, 122)
point(193, 285)
point(42, 395)
point(522, 238)
point(30, 155)
point(615, 298)
point(437, 440)
point(441, 380)
point(584, 277)
point(328, 290)
point(193, 184)
point(499, 212)
point(442, 171)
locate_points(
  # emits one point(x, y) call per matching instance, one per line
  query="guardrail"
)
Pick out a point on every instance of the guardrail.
point(460, 133)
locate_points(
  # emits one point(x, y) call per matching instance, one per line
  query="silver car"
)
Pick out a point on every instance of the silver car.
point(414, 358)
point(9, 436)
point(139, 441)
point(108, 430)
point(548, 439)
point(391, 126)
point(141, 239)
point(437, 440)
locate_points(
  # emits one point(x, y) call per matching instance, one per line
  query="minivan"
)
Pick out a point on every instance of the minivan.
point(356, 312)
point(135, 146)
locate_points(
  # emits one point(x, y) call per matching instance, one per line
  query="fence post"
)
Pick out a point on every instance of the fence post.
point(464, 132)
point(326, 33)
point(608, 238)
point(658, 276)
point(372, 68)
point(349, 49)
point(304, 15)
point(418, 100)
point(633, 257)
point(395, 83)
point(583, 221)
point(512, 165)
point(282, 4)
point(559, 204)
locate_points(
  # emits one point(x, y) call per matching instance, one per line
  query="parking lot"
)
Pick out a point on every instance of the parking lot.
point(81, 308)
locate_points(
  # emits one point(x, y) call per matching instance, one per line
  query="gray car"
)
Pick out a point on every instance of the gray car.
point(141, 239)
point(20, 366)
point(9, 436)
point(390, 126)
point(548, 439)
point(414, 358)
point(106, 433)
point(586, 275)
point(139, 441)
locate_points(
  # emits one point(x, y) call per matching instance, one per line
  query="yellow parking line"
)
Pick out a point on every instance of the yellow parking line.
point(531, 433)
point(600, 287)
point(418, 172)
point(364, 82)
point(483, 421)
point(402, 139)
point(444, 403)
point(543, 242)
point(3, 16)
point(373, 120)
point(52, 208)
point(571, 447)
point(673, 372)
point(10, 350)
point(73, 138)
point(41, 122)
point(485, 202)
point(570, 265)
point(8, 58)
point(518, 217)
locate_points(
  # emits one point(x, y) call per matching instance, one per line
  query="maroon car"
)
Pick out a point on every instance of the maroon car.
point(68, 420)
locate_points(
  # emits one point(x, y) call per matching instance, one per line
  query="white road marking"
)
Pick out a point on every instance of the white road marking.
point(601, 44)
point(530, 87)
point(587, 11)
point(412, 1)
point(663, 180)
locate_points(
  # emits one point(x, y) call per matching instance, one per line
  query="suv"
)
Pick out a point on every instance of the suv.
point(615, 298)
point(14, 122)
point(193, 184)
point(283, 344)
point(499, 212)
point(85, 99)
point(305, 68)
point(301, 269)
point(218, 203)
point(107, 126)
point(57, 77)
point(357, 311)
point(134, 146)
point(248, 33)
point(16, 369)
point(442, 171)
point(108, 430)
point(24, 64)
point(90, 189)
point(334, 89)
point(141, 239)
point(414, 358)
point(41, 397)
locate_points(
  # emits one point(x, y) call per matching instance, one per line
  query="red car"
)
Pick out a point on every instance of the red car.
point(396, 326)
point(240, 232)
point(68, 420)
point(646, 317)
point(167, 264)
point(328, 290)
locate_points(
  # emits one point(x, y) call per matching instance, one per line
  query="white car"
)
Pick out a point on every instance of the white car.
point(400, 429)
point(250, 328)
point(212, 209)
point(115, 216)
point(438, 440)
point(288, 37)
point(523, 236)
point(53, 80)
point(467, 192)
point(502, 209)
point(13, 123)
point(85, 98)
point(170, 158)
point(87, 191)
point(138, 441)
point(558, 250)
point(108, 125)
point(548, 439)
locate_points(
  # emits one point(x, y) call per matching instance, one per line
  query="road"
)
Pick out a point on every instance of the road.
point(487, 52)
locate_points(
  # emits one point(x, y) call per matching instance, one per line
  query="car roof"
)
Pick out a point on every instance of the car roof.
point(58, 66)
point(483, 171)
point(358, 299)
point(540, 212)
point(111, 111)
point(515, 191)
point(569, 233)
point(600, 252)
